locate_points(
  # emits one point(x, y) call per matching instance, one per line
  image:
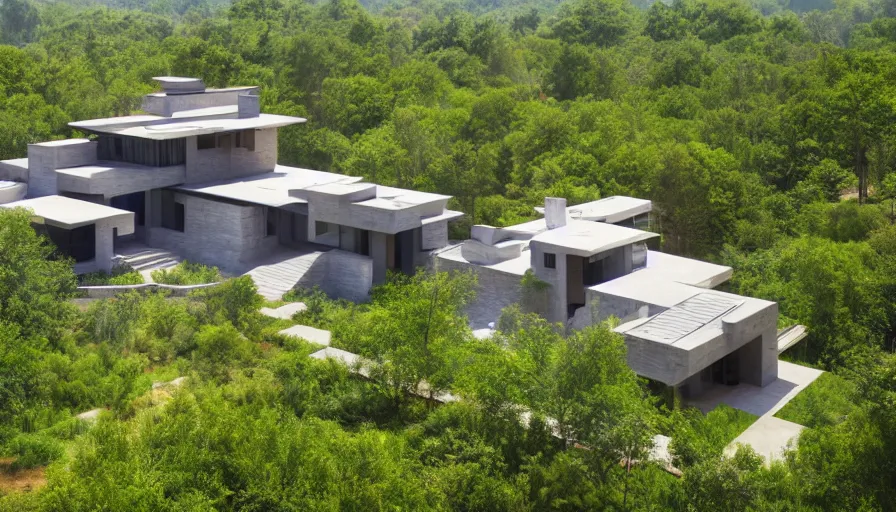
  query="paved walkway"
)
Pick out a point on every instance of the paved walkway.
point(769, 436)
point(280, 272)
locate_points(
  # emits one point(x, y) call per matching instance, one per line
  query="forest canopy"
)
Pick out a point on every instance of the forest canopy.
point(762, 132)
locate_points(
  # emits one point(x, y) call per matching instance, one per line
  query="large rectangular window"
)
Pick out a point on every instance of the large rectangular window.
point(134, 150)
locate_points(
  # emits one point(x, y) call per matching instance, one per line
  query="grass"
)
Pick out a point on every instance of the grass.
point(727, 423)
point(824, 402)
point(120, 275)
point(187, 273)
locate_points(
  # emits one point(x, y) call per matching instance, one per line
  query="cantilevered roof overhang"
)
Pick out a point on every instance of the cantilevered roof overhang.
point(586, 238)
point(68, 213)
point(153, 129)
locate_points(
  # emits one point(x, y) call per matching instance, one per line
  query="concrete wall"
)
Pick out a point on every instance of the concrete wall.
point(44, 158)
point(121, 181)
point(344, 207)
point(165, 105)
point(435, 235)
point(104, 243)
point(12, 172)
point(215, 233)
point(230, 162)
point(556, 278)
point(341, 275)
point(752, 329)
point(497, 290)
point(759, 359)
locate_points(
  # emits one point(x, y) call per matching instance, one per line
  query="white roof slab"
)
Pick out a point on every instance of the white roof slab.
point(17, 162)
point(192, 127)
point(271, 188)
point(643, 287)
point(517, 266)
point(446, 215)
point(69, 213)
point(611, 209)
point(117, 178)
point(685, 270)
point(586, 238)
point(319, 336)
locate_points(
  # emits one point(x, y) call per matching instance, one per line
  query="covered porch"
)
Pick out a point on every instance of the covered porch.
point(81, 230)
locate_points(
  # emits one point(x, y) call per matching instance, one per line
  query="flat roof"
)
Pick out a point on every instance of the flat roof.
point(61, 142)
point(270, 188)
point(586, 238)
point(68, 212)
point(685, 318)
point(609, 209)
point(516, 266)
point(17, 162)
point(686, 270)
point(189, 128)
point(643, 287)
point(445, 215)
point(235, 88)
point(102, 167)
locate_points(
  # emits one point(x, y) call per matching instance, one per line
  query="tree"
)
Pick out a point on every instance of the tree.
point(594, 22)
point(35, 284)
point(18, 21)
point(410, 328)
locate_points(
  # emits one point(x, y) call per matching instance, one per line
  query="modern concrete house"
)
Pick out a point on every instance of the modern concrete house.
point(198, 175)
point(591, 263)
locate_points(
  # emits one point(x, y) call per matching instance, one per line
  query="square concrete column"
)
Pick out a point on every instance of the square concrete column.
point(104, 250)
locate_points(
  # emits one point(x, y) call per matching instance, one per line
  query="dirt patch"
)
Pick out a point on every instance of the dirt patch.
point(22, 480)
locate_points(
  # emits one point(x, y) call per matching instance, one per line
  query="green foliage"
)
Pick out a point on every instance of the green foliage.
point(743, 123)
point(186, 273)
point(235, 300)
point(32, 450)
point(220, 348)
point(120, 275)
point(33, 286)
point(827, 401)
point(696, 438)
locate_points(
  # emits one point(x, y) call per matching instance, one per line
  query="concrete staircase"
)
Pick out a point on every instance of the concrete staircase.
point(282, 272)
point(147, 259)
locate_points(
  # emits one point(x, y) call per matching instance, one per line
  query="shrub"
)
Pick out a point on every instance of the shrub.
point(32, 450)
point(120, 275)
point(187, 273)
point(236, 301)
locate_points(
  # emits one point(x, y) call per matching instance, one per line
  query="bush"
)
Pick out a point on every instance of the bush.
point(32, 450)
point(120, 275)
point(187, 273)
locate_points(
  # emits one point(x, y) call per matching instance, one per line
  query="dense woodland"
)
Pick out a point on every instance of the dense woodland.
point(762, 131)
